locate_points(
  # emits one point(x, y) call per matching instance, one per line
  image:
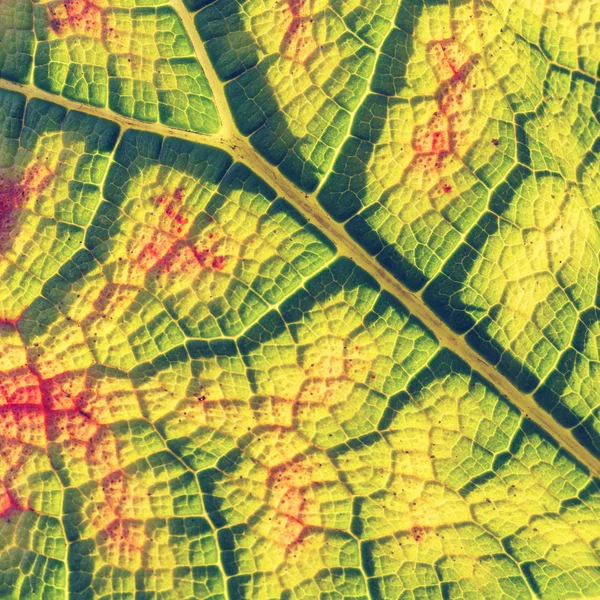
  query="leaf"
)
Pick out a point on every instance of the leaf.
point(299, 299)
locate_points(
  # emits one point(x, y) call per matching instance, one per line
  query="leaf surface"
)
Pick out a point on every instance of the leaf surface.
point(299, 299)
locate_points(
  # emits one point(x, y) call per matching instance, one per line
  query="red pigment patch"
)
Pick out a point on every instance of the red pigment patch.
point(67, 421)
point(122, 533)
point(182, 257)
point(438, 138)
point(12, 458)
point(19, 386)
point(75, 17)
point(63, 391)
point(116, 528)
point(208, 260)
point(125, 541)
point(73, 426)
point(23, 423)
point(434, 138)
point(449, 59)
point(154, 250)
point(110, 296)
point(102, 453)
point(115, 490)
point(288, 484)
point(35, 411)
point(7, 503)
point(12, 199)
point(14, 196)
point(167, 251)
point(172, 205)
point(297, 43)
point(37, 178)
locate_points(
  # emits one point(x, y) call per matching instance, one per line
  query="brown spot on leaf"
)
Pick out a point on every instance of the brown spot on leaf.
point(417, 533)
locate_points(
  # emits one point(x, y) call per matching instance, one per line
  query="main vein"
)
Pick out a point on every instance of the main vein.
point(230, 140)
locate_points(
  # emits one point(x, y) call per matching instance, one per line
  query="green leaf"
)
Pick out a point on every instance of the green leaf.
point(299, 299)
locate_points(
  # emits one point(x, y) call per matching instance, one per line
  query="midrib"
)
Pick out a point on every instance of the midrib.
point(234, 143)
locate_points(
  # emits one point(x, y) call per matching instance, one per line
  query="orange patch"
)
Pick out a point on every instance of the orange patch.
point(5, 502)
point(440, 136)
point(298, 43)
point(19, 386)
point(449, 59)
point(23, 423)
point(124, 542)
point(37, 178)
point(292, 533)
point(181, 257)
point(102, 454)
point(178, 258)
point(115, 490)
point(35, 410)
point(434, 138)
point(289, 484)
point(62, 391)
point(70, 425)
point(207, 259)
point(172, 208)
point(155, 250)
point(168, 251)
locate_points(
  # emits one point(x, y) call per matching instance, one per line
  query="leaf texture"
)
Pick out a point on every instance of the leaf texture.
point(299, 299)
